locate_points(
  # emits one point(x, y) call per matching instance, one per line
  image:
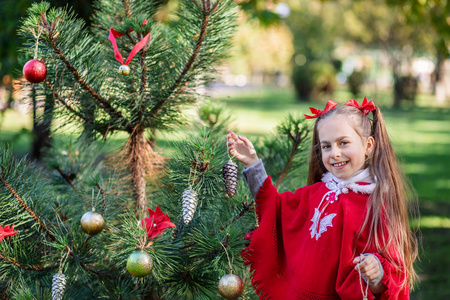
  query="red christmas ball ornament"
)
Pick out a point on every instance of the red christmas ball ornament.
point(34, 71)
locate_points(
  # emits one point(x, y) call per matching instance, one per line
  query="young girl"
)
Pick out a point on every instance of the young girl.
point(346, 234)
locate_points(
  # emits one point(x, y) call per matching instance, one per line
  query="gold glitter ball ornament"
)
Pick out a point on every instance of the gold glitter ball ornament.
point(124, 70)
point(139, 264)
point(231, 286)
point(92, 223)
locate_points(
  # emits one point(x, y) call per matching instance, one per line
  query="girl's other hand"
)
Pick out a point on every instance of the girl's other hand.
point(370, 268)
point(242, 149)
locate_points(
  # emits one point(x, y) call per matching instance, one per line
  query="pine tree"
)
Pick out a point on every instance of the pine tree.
point(179, 56)
point(49, 255)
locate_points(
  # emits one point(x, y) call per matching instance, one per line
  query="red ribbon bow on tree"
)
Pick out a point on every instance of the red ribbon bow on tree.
point(112, 38)
point(6, 231)
point(365, 107)
point(317, 112)
point(156, 223)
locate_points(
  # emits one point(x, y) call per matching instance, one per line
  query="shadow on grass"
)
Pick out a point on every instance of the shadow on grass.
point(434, 265)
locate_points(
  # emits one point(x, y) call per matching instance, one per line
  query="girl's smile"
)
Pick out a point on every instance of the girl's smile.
point(343, 150)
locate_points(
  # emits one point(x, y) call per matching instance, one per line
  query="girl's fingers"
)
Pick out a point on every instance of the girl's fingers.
point(233, 135)
point(357, 260)
point(246, 141)
point(368, 267)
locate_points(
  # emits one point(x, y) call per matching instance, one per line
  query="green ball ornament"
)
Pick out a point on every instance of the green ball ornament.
point(92, 223)
point(231, 286)
point(139, 264)
point(124, 70)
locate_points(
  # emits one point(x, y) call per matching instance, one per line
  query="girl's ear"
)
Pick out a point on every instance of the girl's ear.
point(370, 145)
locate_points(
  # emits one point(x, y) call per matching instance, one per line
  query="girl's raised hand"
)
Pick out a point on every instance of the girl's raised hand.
point(242, 149)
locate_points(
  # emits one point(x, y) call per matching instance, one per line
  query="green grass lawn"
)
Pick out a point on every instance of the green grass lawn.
point(421, 137)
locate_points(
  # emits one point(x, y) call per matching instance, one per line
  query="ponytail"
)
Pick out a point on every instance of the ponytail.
point(387, 218)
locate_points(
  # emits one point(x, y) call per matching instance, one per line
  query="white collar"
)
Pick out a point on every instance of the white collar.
point(339, 186)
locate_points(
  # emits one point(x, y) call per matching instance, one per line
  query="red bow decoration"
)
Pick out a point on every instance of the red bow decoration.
point(365, 107)
point(317, 112)
point(156, 223)
point(4, 232)
point(112, 38)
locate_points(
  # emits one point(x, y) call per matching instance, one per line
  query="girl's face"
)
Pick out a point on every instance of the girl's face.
point(344, 151)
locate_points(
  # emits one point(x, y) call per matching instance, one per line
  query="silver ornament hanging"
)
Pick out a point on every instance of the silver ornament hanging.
point(230, 173)
point(189, 204)
point(58, 286)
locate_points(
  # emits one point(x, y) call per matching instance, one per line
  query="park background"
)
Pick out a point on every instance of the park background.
point(289, 55)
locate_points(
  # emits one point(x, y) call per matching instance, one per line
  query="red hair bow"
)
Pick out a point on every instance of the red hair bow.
point(365, 107)
point(317, 112)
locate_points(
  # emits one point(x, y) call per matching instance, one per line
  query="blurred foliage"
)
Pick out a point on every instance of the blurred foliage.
point(313, 25)
point(355, 82)
point(259, 49)
point(431, 14)
point(11, 13)
point(261, 10)
point(377, 25)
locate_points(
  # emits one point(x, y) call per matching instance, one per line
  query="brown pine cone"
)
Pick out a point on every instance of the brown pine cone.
point(230, 173)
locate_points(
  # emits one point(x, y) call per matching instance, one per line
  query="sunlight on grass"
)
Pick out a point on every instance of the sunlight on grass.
point(431, 222)
point(13, 120)
point(415, 168)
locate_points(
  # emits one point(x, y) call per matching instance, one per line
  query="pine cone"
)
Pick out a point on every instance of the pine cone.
point(230, 173)
point(58, 286)
point(189, 204)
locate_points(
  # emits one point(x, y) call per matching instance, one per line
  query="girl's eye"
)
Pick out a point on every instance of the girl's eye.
point(344, 143)
point(325, 147)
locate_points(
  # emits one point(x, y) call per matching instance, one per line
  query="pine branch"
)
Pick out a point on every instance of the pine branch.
point(109, 109)
point(246, 206)
point(142, 87)
point(97, 271)
point(3, 296)
point(30, 212)
point(126, 6)
point(297, 134)
point(102, 192)
point(69, 108)
point(33, 268)
point(69, 181)
point(294, 148)
point(206, 13)
point(144, 73)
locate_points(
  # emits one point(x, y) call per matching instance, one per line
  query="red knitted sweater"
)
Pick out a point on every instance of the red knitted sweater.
point(291, 262)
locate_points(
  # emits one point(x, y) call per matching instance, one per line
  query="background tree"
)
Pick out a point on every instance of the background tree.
point(379, 26)
point(11, 13)
point(315, 29)
point(84, 81)
point(433, 16)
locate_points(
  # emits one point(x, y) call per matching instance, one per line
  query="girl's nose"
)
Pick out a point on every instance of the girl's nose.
point(335, 153)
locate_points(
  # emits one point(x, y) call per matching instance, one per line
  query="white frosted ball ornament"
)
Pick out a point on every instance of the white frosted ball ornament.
point(124, 70)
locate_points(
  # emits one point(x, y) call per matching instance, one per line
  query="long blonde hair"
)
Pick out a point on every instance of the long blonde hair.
point(387, 213)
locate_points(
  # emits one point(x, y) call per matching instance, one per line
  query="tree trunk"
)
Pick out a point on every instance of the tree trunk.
point(41, 129)
point(138, 147)
point(398, 95)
